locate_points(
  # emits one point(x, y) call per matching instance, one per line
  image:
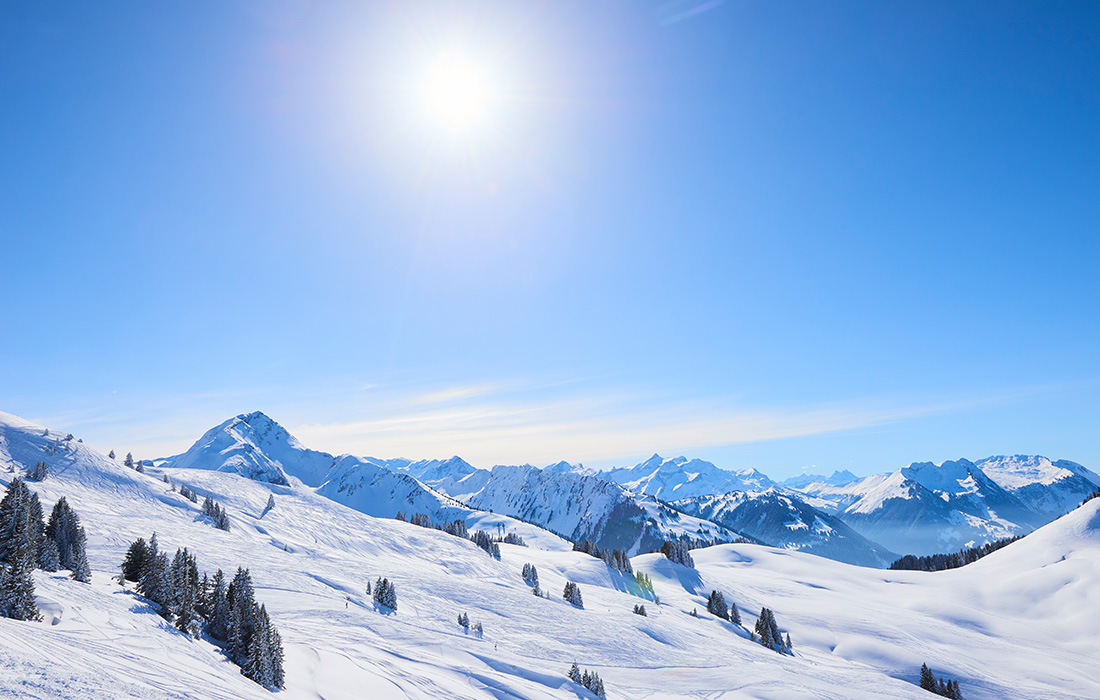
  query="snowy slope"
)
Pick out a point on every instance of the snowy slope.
point(1006, 627)
point(781, 520)
point(680, 477)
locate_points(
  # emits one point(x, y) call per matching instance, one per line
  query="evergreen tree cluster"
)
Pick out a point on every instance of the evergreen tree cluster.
point(451, 527)
point(531, 577)
point(572, 593)
point(213, 510)
point(28, 542)
point(189, 493)
point(485, 541)
point(615, 558)
point(39, 471)
point(677, 551)
point(942, 562)
point(716, 605)
point(946, 688)
point(591, 681)
point(513, 538)
point(467, 627)
point(229, 613)
point(385, 594)
point(640, 610)
point(66, 533)
point(768, 632)
point(1094, 494)
point(642, 579)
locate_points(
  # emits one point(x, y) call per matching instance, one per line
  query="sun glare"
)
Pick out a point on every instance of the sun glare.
point(456, 93)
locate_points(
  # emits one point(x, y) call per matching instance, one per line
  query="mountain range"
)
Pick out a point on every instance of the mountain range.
point(923, 508)
point(1007, 627)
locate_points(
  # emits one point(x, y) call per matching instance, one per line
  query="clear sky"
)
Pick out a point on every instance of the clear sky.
point(776, 235)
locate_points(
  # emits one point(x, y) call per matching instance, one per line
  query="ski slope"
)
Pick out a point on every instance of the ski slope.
point(1010, 626)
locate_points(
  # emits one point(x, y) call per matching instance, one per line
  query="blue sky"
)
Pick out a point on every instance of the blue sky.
point(773, 235)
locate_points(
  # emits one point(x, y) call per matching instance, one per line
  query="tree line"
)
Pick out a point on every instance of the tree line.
point(29, 542)
point(228, 613)
point(953, 560)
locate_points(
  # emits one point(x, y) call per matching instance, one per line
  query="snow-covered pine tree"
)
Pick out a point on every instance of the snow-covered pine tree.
point(242, 621)
point(385, 594)
point(111, 454)
point(575, 673)
point(716, 605)
point(479, 631)
point(735, 615)
point(16, 582)
point(640, 610)
point(48, 557)
point(530, 574)
point(14, 519)
point(66, 531)
point(464, 621)
point(129, 461)
point(219, 608)
point(39, 471)
point(185, 591)
point(572, 593)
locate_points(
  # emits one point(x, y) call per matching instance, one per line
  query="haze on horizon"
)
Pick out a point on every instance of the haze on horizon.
point(827, 236)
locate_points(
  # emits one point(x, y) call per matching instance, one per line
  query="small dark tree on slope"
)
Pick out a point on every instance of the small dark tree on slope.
point(38, 472)
point(590, 680)
point(677, 551)
point(572, 593)
point(768, 631)
point(716, 605)
point(385, 594)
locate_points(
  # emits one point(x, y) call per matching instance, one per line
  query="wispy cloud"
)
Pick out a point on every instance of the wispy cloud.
point(489, 422)
point(491, 430)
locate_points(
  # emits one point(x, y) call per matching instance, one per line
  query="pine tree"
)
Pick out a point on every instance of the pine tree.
point(270, 502)
point(39, 471)
point(219, 609)
point(48, 557)
point(464, 621)
point(134, 562)
point(111, 454)
point(575, 673)
point(129, 461)
point(15, 525)
point(640, 610)
point(241, 616)
point(385, 594)
point(716, 605)
point(16, 582)
point(927, 680)
point(735, 615)
point(572, 593)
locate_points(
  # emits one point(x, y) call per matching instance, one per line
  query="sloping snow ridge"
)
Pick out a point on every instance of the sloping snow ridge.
point(1015, 625)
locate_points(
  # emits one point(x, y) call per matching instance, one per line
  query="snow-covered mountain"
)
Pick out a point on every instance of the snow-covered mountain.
point(927, 508)
point(680, 477)
point(837, 478)
point(782, 520)
point(585, 507)
point(1049, 488)
point(858, 633)
point(256, 447)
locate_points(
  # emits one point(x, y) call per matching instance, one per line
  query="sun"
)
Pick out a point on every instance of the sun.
point(456, 92)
